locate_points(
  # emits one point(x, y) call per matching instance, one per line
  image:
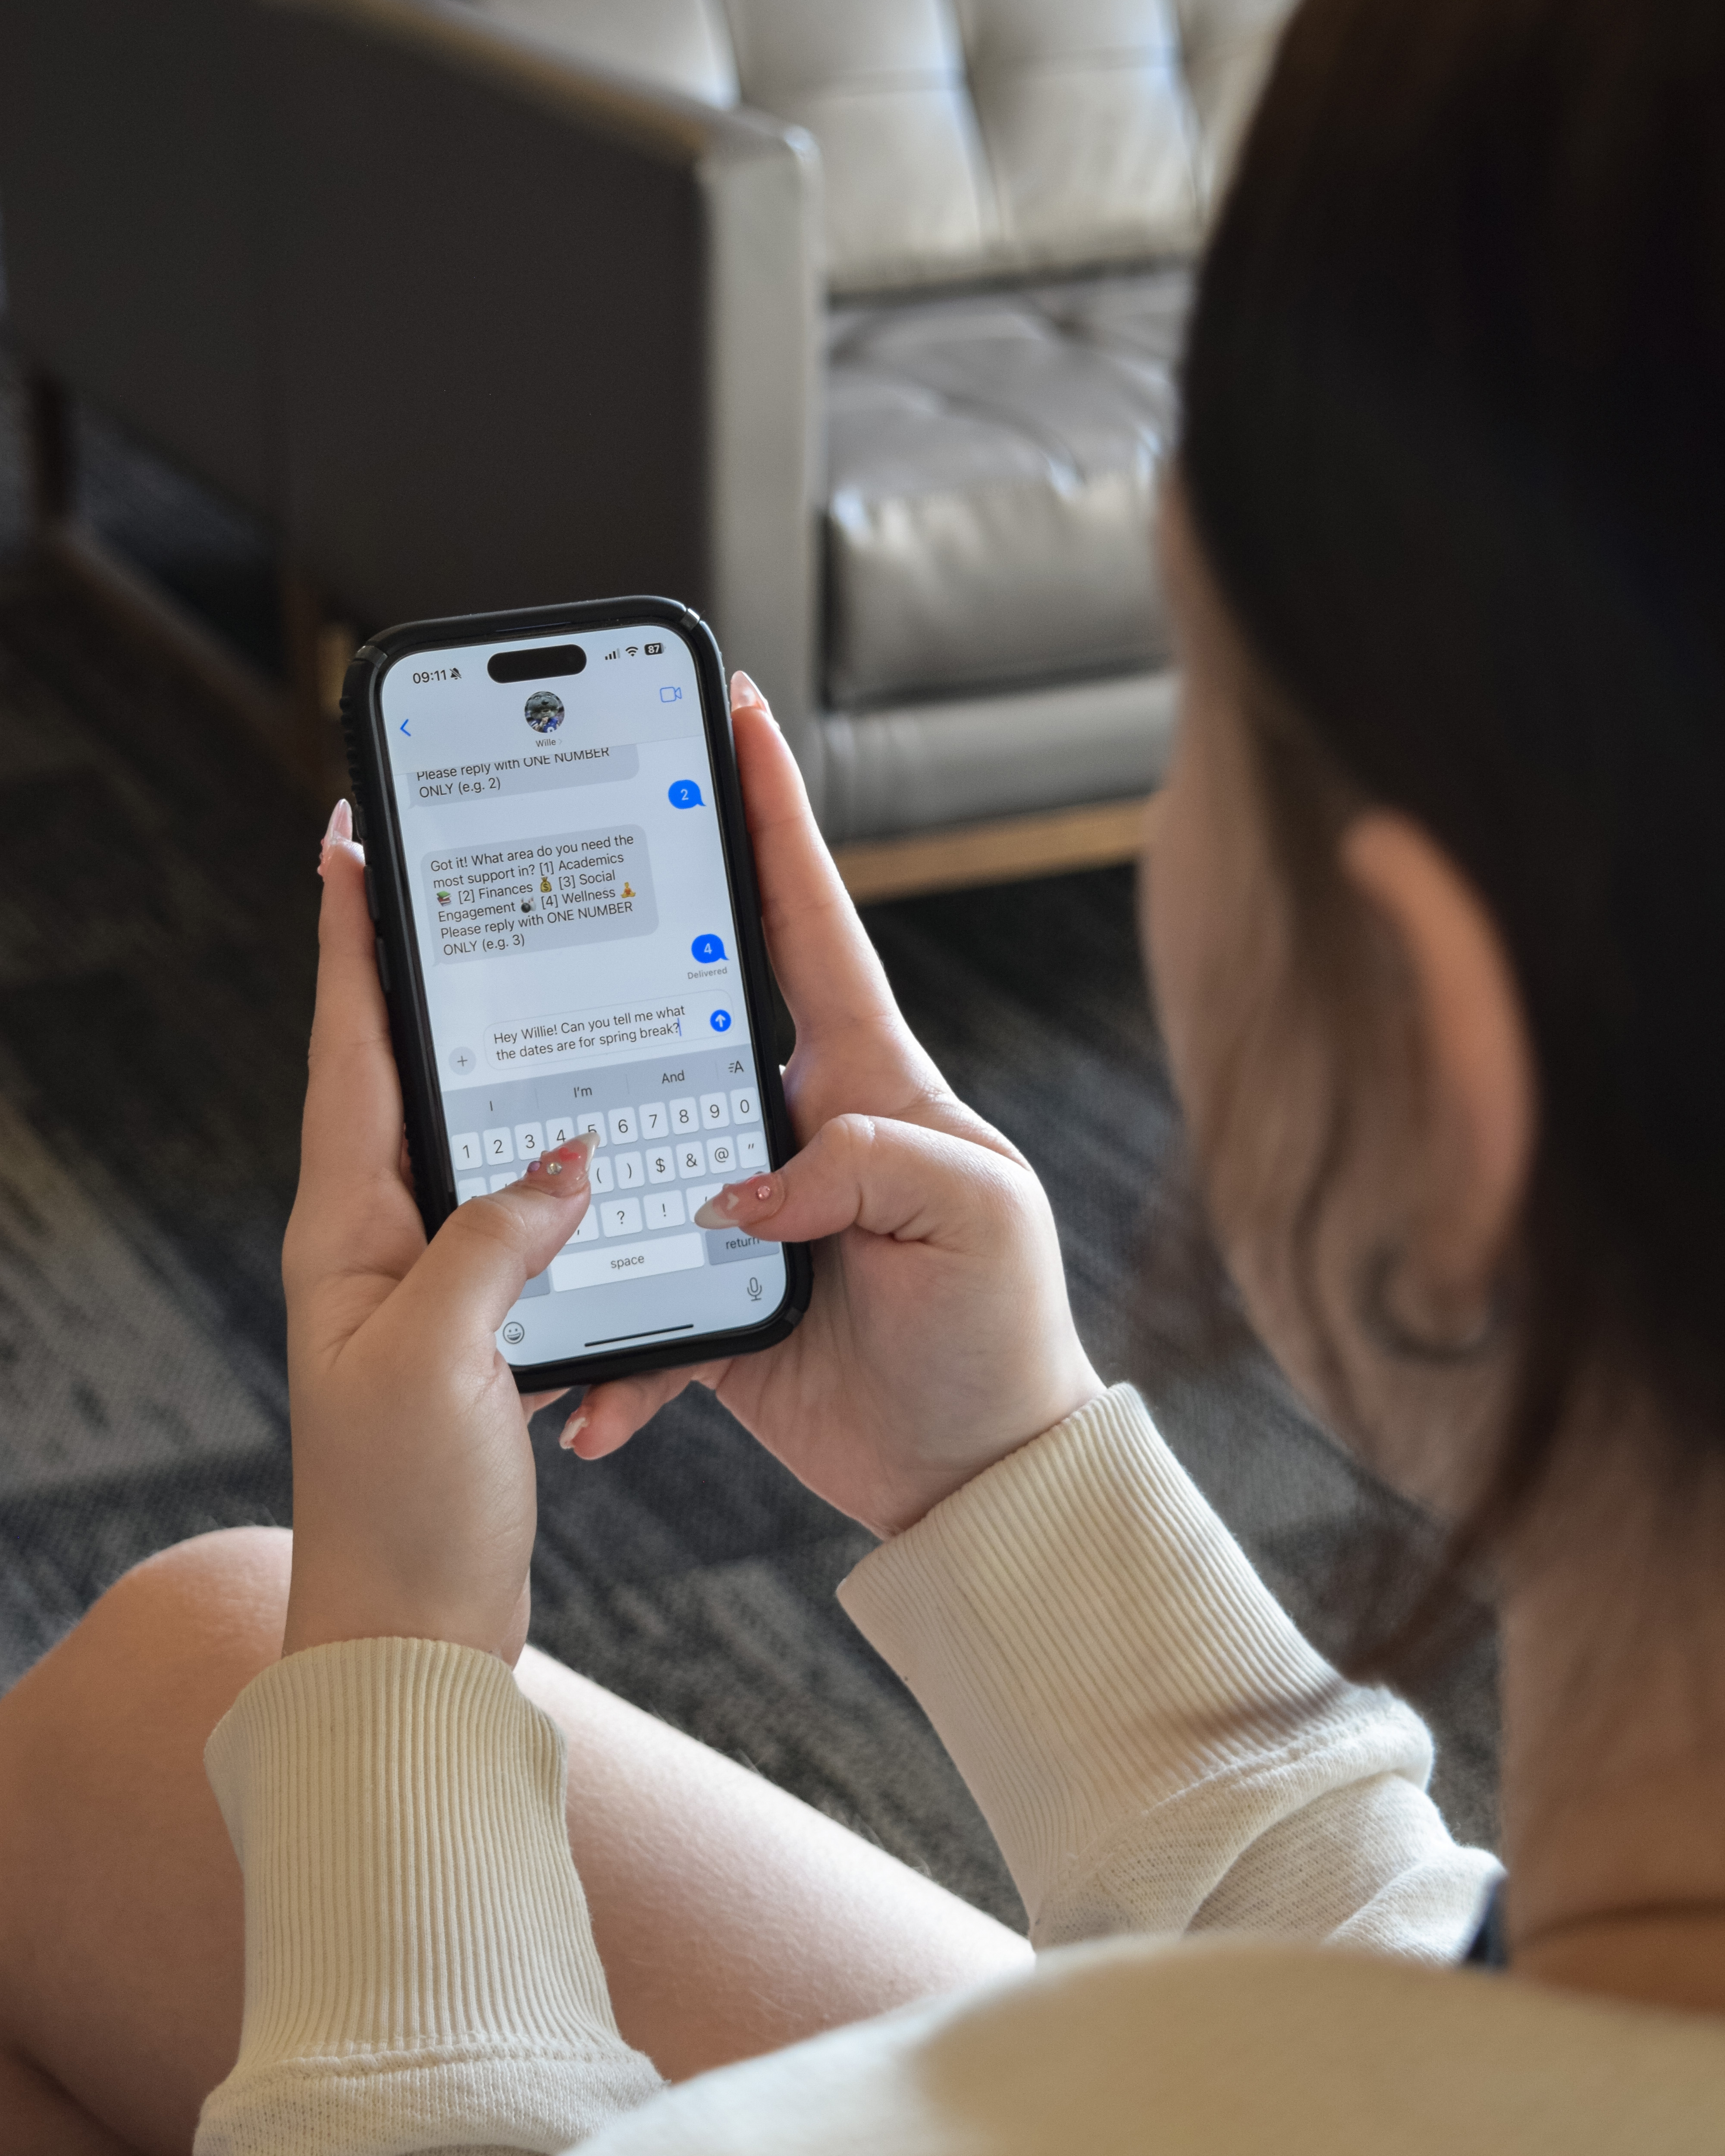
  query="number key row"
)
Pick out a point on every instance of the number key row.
point(654, 1121)
point(725, 1157)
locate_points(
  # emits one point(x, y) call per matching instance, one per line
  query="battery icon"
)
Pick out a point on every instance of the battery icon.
point(652, 651)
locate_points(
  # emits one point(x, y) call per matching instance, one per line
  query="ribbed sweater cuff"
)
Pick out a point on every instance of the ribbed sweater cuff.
point(1093, 1646)
point(397, 1808)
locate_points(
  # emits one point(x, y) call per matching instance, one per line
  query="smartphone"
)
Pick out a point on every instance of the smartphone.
point(569, 939)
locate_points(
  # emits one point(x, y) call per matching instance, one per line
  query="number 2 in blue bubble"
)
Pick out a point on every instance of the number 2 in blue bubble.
point(685, 794)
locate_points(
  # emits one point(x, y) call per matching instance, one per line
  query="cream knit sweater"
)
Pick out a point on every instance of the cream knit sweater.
point(1158, 1751)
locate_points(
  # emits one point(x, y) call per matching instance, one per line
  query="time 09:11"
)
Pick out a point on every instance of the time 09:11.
point(441, 674)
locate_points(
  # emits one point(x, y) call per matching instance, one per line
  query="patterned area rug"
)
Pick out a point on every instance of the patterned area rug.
point(158, 898)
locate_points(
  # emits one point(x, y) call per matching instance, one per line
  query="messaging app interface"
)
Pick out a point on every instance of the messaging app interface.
point(579, 956)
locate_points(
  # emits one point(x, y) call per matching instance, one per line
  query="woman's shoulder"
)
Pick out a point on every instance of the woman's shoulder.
point(1227, 2046)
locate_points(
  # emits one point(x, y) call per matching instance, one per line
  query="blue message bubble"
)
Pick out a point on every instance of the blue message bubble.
point(720, 1021)
point(706, 950)
point(685, 794)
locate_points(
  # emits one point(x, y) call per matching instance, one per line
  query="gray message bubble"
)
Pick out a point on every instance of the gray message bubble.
point(511, 899)
point(535, 771)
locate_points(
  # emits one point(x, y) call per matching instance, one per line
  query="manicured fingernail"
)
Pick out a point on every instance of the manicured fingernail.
point(340, 828)
point(570, 1160)
point(744, 691)
point(572, 1430)
point(721, 1212)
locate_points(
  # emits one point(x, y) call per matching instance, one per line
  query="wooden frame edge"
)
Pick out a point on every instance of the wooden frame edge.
point(1010, 849)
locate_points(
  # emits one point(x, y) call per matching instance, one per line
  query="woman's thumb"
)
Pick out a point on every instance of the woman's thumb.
point(868, 1171)
point(487, 1249)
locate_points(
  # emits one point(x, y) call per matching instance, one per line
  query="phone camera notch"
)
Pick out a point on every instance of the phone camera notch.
point(539, 663)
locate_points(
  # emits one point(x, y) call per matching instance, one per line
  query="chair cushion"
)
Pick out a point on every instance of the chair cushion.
point(993, 464)
point(964, 136)
point(1228, 46)
point(1083, 112)
point(682, 45)
point(881, 85)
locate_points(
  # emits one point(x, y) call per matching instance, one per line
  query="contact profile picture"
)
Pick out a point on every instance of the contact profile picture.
point(545, 711)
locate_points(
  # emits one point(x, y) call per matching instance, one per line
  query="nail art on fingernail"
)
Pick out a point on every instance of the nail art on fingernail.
point(720, 1211)
point(568, 1159)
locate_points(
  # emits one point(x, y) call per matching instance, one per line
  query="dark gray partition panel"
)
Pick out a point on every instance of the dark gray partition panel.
point(491, 328)
point(492, 320)
point(130, 182)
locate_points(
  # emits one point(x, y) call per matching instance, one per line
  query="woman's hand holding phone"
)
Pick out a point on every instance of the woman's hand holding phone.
point(939, 1338)
point(414, 1489)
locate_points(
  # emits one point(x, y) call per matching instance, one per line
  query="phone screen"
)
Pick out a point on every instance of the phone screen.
point(578, 948)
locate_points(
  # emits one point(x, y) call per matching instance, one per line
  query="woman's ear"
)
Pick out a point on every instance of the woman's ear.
point(1477, 1069)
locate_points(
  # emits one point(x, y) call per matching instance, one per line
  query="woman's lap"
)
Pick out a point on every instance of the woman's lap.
point(119, 1895)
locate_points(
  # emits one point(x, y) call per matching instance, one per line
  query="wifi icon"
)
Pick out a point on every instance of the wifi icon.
point(631, 649)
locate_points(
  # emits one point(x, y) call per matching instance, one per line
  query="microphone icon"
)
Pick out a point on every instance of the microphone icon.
point(755, 1290)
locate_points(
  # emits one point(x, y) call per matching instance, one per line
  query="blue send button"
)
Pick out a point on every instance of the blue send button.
point(720, 1021)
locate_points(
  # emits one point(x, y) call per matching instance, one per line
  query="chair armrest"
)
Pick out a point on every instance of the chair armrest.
point(544, 334)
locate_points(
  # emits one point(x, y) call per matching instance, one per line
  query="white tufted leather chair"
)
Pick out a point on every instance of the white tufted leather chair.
point(990, 455)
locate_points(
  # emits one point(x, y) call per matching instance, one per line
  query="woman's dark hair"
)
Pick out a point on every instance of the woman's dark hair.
point(1454, 453)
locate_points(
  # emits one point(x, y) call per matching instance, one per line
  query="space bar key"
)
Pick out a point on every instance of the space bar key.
point(676, 1254)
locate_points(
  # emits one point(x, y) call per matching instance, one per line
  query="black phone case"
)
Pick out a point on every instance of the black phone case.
point(387, 887)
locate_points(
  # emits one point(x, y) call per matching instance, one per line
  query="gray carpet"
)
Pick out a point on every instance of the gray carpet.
point(157, 907)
